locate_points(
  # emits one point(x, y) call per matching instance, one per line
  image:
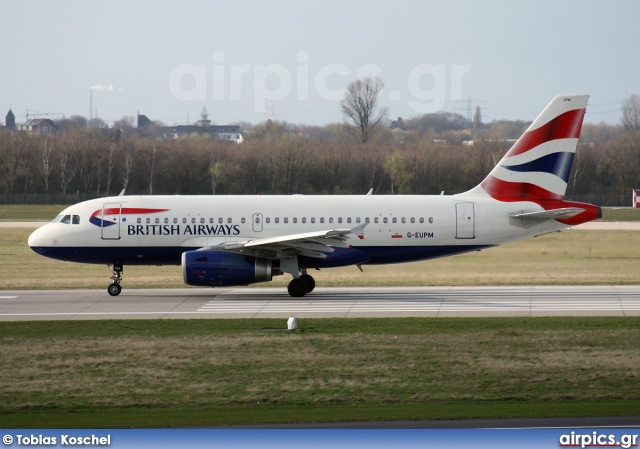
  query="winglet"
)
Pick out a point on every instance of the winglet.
point(359, 230)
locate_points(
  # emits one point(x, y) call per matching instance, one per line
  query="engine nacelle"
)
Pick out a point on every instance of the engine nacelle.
point(221, 269)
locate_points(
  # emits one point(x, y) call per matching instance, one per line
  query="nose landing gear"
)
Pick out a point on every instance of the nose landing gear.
point(115, 289)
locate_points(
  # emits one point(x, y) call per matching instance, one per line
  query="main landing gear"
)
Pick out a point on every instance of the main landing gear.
point(115, 289)
point(302, 285)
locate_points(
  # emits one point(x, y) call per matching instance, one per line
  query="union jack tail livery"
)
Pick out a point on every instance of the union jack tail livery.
point(537, 166)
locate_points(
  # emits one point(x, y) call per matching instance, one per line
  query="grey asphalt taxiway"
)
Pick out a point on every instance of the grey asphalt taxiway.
point(353, 302)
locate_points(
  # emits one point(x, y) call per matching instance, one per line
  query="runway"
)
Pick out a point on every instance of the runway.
point(355, 302)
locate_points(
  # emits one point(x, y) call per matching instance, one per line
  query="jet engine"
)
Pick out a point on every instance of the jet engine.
point(221, 269)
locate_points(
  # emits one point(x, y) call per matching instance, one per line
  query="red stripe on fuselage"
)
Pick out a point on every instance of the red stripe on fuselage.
point(564, 126)
point(126, 211)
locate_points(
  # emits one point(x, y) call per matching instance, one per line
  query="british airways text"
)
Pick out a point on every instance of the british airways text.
point(159, 229)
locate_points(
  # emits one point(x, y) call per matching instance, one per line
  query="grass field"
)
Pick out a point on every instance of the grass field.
point(219, 372)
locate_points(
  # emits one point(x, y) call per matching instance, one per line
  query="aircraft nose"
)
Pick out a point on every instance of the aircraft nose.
point(38, 240)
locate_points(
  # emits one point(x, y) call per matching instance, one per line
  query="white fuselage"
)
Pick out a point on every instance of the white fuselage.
point(155, 230)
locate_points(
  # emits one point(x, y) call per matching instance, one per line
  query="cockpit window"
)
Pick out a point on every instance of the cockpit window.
point(76, 219)
point(66, 219)
point(57, 219)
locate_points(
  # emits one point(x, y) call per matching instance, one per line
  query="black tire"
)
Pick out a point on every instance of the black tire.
point(297, 288)
point(114, 289)
point(310, 281)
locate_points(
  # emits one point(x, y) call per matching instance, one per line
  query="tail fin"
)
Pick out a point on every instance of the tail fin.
point(537, 166)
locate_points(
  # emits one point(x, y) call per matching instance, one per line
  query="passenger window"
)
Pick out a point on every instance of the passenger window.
point(148, 220)
point(220, 220)
point(157, 220)
point(358, 220)
point(404, 220)
point(257, 219)
point(413, 220)
point(286, 220)
point(202, 220)
point(321, 219)
point(376, 220)
point(366, 220)
point(211, 220)
point(313, 220)
point(76, 219)
point(166, 220)
point(349, 220)
point(139, 220)
point(242, 220)
point(394, 220)
point(339, 219)
point(277, 220)
point(66, 219)
point(330, 219)
point(175, 220)
point(421, 220)
point(193, 220)
point(184, 220)
point(229, 220)
point(295, 219)
point(385, 220)
point(268, 220)
point(304, 220)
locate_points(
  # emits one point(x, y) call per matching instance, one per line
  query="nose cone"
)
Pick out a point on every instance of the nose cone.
point(38, 240)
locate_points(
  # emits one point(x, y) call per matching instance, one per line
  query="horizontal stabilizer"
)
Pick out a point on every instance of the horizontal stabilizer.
point(554, 214)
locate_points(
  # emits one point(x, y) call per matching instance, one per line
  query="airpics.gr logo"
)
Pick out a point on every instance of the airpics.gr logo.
point(110, 215)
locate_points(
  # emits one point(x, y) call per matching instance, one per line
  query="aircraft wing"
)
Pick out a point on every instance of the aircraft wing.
point(566, 212)
point(311, 244)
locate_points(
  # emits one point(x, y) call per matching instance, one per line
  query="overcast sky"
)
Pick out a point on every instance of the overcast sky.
point(169, 59)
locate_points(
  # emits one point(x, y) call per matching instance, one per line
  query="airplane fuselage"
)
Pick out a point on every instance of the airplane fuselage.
point(156, 230)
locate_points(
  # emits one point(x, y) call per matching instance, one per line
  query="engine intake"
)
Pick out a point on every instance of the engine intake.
point(221, 269)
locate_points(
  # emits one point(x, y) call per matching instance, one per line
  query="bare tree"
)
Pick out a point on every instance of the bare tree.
point(360, 105)
point(631, 112)
point(47, 165)
point(129, 151)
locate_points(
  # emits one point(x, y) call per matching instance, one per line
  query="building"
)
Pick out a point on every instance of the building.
point(10, 120)
point(42, 126)
point(203, 127)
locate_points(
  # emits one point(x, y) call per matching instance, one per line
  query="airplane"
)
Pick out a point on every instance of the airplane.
point(240, 240)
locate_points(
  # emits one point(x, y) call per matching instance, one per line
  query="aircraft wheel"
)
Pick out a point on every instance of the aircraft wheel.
point(114, 289)
point(309, 281)
point(297, 288)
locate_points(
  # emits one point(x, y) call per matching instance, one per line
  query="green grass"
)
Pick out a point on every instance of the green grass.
point(220, 372)
point(24, 212)
point(620, 214)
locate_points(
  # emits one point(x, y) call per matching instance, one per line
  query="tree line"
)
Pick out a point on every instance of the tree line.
point(424, 155)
